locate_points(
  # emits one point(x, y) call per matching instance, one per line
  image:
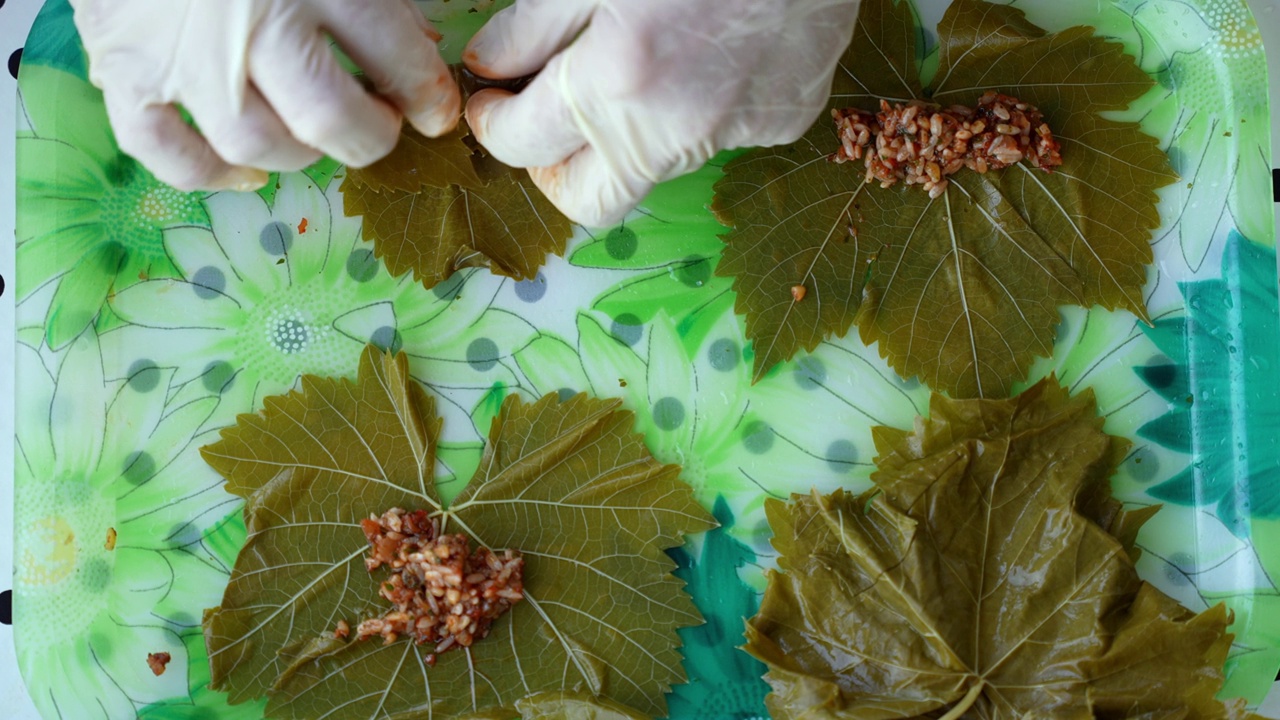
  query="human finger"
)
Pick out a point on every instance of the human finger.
point(535, 128)
point(588, 190)
point(321, 104)
point(521, 39)
point(395, 46)
point(174, 152)
point(254, 137)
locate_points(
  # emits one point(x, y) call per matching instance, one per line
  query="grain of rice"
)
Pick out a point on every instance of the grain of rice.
point(441, 592)
point(922, 144)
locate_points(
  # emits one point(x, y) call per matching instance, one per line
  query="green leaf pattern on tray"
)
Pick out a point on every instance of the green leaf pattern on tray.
point(112, 555)
point(84, 199)
point(148, 319)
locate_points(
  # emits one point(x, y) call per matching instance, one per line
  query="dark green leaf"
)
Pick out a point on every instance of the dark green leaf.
point(558, 481)
point(961, 290)
point(990, 574)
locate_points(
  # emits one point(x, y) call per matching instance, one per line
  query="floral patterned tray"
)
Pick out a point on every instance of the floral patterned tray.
point(147, 319)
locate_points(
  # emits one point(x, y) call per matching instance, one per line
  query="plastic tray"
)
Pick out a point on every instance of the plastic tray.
point(110, 419)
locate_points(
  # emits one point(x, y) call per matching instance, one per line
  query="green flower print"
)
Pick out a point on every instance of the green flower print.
point(724, 683)
point(111, 506)
point(696, 406)
point(1219, 382)
point(92, 218)
point(665, 254)
point(1213, 110)
point(220, 544)
point(267, 294)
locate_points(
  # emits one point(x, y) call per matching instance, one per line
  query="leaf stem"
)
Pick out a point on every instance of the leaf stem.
point(966, 702)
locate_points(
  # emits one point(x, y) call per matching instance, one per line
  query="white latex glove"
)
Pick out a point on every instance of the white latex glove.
point(634, 92)
point(261, 81)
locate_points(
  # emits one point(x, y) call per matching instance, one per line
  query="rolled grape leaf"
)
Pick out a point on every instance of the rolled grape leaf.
point(962, 290)
point(506, 225)
point(437, 205)
point(419, 162)
point(568, 484)
point(989, 574)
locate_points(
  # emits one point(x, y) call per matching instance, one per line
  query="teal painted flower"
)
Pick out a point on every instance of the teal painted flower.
point(1219, 382)
point(269, 293)
point(725, 683)
point(111, 506)
point(91, 219)
point(56, 44)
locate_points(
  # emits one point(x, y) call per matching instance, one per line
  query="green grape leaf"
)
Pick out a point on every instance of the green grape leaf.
point(569, 484)
point(506, 225)
point(558, 706)
point(437, 205)
point(990, 573)
point(962, 290)
point(421, 162)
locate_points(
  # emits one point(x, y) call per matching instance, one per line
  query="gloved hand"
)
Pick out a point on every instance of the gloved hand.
point(648, 90)
point(260, 80)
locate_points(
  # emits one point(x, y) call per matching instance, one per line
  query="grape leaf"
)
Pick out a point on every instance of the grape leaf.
point(989, 574)
point(419, 162)
point(436, 205)
point(558, 706)
point(566, 483)
point(961, 290)
point(506, 225)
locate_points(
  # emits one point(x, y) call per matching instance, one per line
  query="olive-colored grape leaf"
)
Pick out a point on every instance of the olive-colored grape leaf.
point(989, 574)
point(569, 484)
point(420, 162)
point(558, 706)
point(507, 226)
point(437, 205)
point(961, 290)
